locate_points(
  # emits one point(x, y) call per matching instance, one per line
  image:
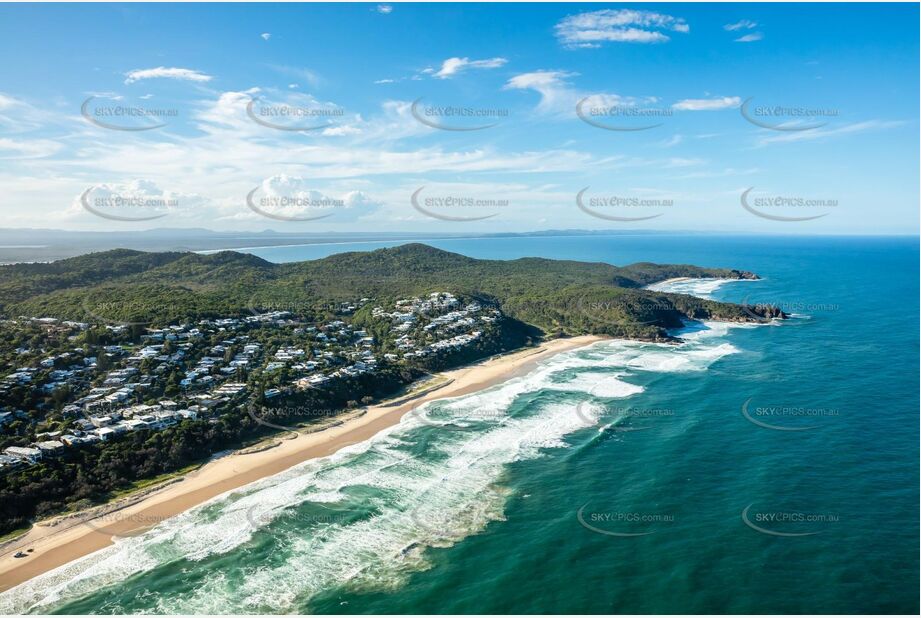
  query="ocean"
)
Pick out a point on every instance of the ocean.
point(767, 468)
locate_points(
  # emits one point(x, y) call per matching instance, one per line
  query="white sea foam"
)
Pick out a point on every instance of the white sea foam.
point(406, 500)
point(702, 288)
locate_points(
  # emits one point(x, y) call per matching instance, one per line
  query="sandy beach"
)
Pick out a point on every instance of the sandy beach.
point(666, 282)
point(76, 536)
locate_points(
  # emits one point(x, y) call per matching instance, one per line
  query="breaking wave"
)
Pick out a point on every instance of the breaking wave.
point(363, 518)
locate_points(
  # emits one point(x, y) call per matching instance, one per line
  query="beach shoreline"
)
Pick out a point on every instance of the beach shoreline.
point(54, 546)
point(657, 284)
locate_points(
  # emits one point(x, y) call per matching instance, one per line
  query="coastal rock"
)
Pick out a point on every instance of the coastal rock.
point(765, 312)
point(743, 274)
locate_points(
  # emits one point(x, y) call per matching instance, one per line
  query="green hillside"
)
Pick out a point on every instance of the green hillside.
point(559, 297)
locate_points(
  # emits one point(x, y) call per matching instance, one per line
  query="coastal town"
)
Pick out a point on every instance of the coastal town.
point(70, 384)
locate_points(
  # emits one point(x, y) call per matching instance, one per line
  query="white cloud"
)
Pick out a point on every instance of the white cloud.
point(166, 73)
point(742, 24)
point(298, 197)
point(453, 66)
point(822, 132)
point(231, 155)
point(555, 93)
point(384, 9)
point(35, 148)
point(229, 111)
point(18, 116)
point(266, 35)
point(7, 102)
point(136, 198)
point(674, 140)
point(750, 38)
point(383, 81)
point(557, 96)
point(705, 105)
point(617, 25)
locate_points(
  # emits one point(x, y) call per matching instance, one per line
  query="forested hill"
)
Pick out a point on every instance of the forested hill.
point(557, 296)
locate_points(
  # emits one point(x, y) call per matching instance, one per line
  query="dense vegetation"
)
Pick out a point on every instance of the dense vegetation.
point(537, 298)
point(558, 297)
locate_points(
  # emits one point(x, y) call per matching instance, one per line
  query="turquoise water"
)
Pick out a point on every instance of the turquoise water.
point(610, 479)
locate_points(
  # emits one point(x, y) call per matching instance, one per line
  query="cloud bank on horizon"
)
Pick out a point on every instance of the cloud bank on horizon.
point(503, 118)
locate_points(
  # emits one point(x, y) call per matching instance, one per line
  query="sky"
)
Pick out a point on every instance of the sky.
point(468, 118)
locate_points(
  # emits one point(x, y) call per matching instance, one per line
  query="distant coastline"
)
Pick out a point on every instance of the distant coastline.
point(27, 246)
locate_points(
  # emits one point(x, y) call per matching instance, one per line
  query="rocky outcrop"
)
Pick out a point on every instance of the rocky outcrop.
point(742, 274)
point(764, 312)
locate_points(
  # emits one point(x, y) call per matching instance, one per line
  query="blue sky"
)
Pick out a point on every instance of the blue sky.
point(320, 118)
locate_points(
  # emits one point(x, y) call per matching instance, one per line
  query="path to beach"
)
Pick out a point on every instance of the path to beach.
point(75, 537)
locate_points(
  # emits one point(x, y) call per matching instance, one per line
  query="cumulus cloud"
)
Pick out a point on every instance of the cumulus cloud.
point(453, 66)
point(706, 105)
point(189, 75)
point(266, 36)
point(255, 112)
point(283, 195)
point(139, 198)
point(750, 38)
point(617, 25)
point(384, 9)
point(232, 155)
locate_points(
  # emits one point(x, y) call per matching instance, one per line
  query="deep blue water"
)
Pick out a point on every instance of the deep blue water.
point(830, 508)
point(856, 357)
